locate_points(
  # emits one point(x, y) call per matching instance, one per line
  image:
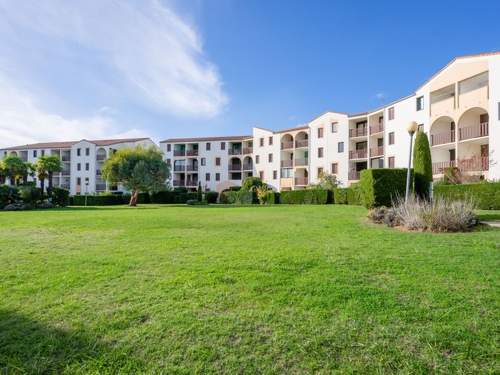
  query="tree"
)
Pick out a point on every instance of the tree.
point(138, 170)
point(3, 172)
point(15, 168)
point(251, 183)
point(263, 193)
point(52, 165)
point(328, 181)
point(422, 165)
point(199, 192)
point(41, 171)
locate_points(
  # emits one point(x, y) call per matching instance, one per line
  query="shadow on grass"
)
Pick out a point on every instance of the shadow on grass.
point(28, 346)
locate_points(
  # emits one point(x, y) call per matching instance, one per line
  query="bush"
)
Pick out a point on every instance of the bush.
point(351, 195)
point(485, 195)
point(196, 202)
point(379, 187)
point(99, 200)
point(340, 195)
point(59, 197)
point(8, 194)
point(250, 183)
point(308, 196)
point(30, 194)
point(422, 165)
point(238, 197)
point(211, 196)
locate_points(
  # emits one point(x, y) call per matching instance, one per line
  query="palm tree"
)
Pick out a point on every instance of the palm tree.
point(52, 165)
point(41, 171)
point(3, 172)
point(15, 167)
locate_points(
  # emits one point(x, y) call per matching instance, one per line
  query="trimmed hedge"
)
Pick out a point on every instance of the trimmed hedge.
point(211, 196)
point(100, 200)
point(307, 196)
point(380, 186)
point(273, 197)
point(486, 195)
point(169, 197)
point(351, 195)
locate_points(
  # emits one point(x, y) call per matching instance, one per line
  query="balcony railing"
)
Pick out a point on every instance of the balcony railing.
point(474, 164)
point(300, 162)
point(234, 167)
point(476, 131)
point(234, 151)
point(301, 181)
point(247, 150)
point(100, 187)
point(443, 138)
point(68, 158)
point(376, 151)
point(192, 153)
point(179, 168)
point(378, 128)
point(361, 132)
point(192, 168)
point(353, 175)
point(247, 167)
point(286, 145)
point(286, 163)
point(191, 183)
point(358, 154)
point(302, 143)
point(179, 152)
point(178, 182)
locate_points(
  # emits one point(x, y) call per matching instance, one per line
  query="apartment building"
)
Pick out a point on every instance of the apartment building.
point(458, 108)
point(81, 160)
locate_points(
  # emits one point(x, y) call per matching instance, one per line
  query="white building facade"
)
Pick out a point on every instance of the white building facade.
point(81, 161)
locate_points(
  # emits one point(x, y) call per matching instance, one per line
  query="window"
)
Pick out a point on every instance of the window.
point(320, 172)
point(320, 152)
point(43, 152)
point(217, 177)
point(320, 132)
point(420, 128)
point(207, 146)
point(34, 153)
point(270, 158)
point(420, 103)
point(261, 142)
point(203, 162)
point(335, 127)
point(391, 113)
point(87, 166)
point(340, 147)
point(169, 162)
point(78, 151)
point(169, 147)
point(217, 161)
point(78, 167)
point(392, 161)
point(391, 138)
point(261, 175)
point(257, 159)
point(78, 181)
point(275, 175)
point(270, 141)
point(87, 151)
point(207, 176)
point(223, 145)
point(335, 168)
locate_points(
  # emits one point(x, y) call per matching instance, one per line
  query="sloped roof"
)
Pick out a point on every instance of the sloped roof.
point(209, 139)
point(68, 144)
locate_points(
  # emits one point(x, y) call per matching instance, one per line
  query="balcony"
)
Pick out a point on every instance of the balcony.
point(286, 145)
point(301, 181)
point(358, 154)
point(286, 163)
point(178, 182)
point(234, 167)
point(301, 162)
point(67, 158)
point(470, 132)
point(179, 152)
point(302, 143)
point(179, 168)
point(98, 172)
point(474, 164)
point(361, 132)
point(378, 128)
point(234, 151)
point(100, 187)
point(247, 150)
point(376, 151)
point(443, 138)
point(353, 175)
point(247, 167)
point(192, 168)
point(190, 153)
point(192, 182)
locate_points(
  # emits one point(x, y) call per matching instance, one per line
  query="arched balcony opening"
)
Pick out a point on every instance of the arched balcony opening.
point(302, 140)
point(442, 131)
point(473, 124)
point(247, 163)
point(287, 142)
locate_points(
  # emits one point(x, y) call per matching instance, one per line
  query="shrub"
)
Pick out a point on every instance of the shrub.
point(99, 200)
point(164, 196)
point(238, 197)
point(8, 194)
point(59, 196)
point(485, 195)
point(30, 194)
point(340, 195)
point(351, 195)
point(379, 187)
point(195, 202)
point(251, 183)
point(308, 196)
point(377, 214)
point(211, 196)
point(199, 193)
point(19, 206)
point(422, 165)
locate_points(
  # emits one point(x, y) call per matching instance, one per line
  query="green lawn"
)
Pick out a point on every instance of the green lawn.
point(284, 289)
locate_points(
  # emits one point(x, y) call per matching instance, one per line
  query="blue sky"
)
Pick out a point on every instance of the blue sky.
point(98, 69)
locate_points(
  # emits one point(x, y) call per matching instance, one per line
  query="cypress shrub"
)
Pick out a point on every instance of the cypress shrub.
point(486, 195)
point(211, 196)
point(422, 165)
point(380, 186)
point(340, 195)
point(199, 193)
point(354, 196)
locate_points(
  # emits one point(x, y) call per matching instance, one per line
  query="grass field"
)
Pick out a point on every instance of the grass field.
point(284, 289)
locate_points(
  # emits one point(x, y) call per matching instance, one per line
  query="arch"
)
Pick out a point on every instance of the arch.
point(287, 138)
point(300, 136)
point(473, 123)
point(247, 160)
point(101, 154)
point(13, 153)
point(471, 116)
point(442, 131)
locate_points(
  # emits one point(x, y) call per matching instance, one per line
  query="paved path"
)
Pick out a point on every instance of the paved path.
point(495, 223)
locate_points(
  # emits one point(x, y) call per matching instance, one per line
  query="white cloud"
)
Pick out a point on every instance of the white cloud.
point(22, 122)
point(380, 95)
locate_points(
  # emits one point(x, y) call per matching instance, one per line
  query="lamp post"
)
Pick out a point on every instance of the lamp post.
point(412, 128)
point(86, 191)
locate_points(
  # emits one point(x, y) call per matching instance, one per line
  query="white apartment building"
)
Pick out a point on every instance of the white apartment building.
point(458, 108)
point(82, 161)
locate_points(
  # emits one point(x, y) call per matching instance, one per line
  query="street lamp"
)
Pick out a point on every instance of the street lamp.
point(412, 128)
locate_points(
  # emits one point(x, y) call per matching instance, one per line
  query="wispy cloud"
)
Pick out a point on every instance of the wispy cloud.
point(380, 95)
point(136, 53)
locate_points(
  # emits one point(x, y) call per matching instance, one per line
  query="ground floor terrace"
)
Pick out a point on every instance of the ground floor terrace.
point(225, 289)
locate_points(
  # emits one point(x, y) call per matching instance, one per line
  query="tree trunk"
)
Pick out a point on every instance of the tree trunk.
point(42, 186)
point(50, 183)
point(133, 199)
point(13, 180)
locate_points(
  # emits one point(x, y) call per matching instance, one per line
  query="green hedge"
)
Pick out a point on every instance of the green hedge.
point(307, 196)
point(238, 197)
point(380, 186)
point(211, 196)
point(99, 200)
point(486, 195)
point(273, 197)
point(169, 197)
point(340, 195)
point(59, 196)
